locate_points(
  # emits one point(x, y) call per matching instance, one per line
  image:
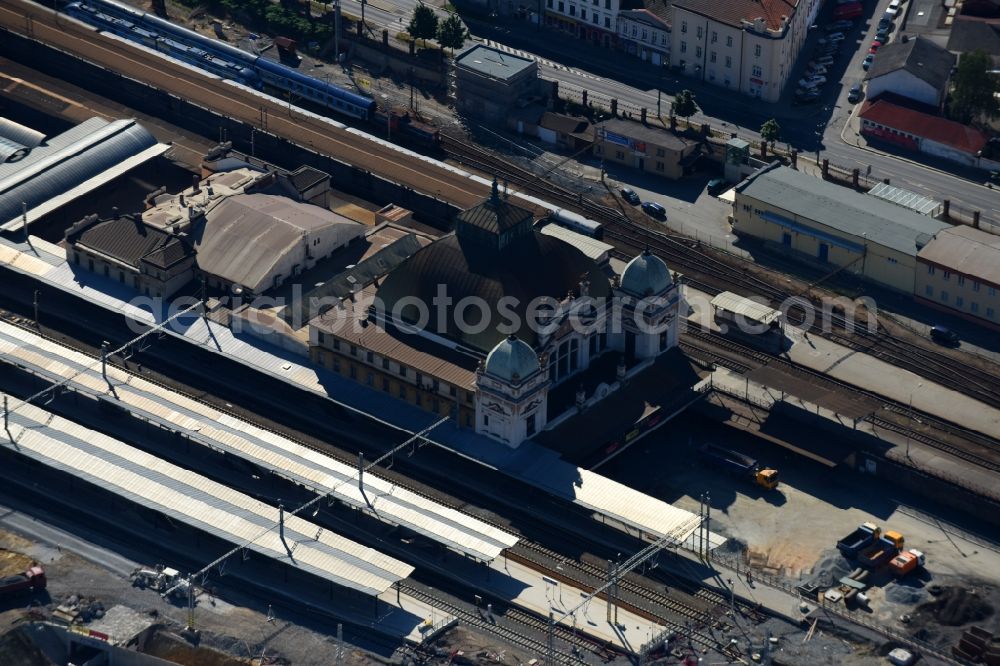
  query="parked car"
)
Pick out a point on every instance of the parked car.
point(629, 195)
point(816, 71)
point(894, 5)
point(885, 24)
point(807, 97)
point(654, 209)
point(825, 61)
point(856, 94)
point(839, 26)
point(944, 336)
point(872, 50)
point(812, 81)
point(717, 186)
point(877, 43)
point(882, 36)
point(849, 11)
point(836, 37)
point(868, 61)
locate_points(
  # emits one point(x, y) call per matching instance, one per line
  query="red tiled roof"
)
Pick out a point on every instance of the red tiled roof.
point(941, 130)
point(733, 12)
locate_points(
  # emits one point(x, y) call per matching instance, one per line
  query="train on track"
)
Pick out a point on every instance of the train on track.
point(576, 222)
point(234, 64)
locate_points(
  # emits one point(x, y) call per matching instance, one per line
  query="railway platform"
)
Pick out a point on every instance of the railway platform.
point(870, 373)
point(206, 518)
point(612, 503)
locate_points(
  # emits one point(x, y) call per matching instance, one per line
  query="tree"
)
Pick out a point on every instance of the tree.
point(452, 33)
point(973, 95)
point(770, 130)
point(684, 104)
point(424, 24)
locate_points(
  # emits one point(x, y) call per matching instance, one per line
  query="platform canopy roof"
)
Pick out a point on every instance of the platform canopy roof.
point(199, 502)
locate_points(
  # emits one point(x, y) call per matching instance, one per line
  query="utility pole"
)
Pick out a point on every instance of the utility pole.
point(336, 30)
point(104, 361)
point(38, 324)
point(363, 3)
point(190, 617)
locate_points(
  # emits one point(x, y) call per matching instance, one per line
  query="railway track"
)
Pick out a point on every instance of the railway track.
point(711, 274)
point(991, 448)
point(657, 607)
point(481, 620)
point(42, 24)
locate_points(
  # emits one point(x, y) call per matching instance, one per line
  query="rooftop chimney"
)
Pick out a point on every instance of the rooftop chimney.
point(114, 212)
point(195, 185)
point(182, 199)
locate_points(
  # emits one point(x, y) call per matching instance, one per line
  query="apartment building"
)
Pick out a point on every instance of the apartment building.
point(645, 32)
point(745, 45)
point(595, 21)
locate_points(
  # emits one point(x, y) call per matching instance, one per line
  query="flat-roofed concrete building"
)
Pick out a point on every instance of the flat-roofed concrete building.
point(829, 225)
point(489, 83)
point(959, 271)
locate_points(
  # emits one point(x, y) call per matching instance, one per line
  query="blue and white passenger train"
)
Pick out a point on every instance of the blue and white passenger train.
point(216, 56)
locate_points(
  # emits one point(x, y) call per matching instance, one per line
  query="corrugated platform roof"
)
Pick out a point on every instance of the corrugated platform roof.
point(200, 502)
point(199, 422)
point(739, 305)
point(61, 175)
point(19, 133)
point(593, 248)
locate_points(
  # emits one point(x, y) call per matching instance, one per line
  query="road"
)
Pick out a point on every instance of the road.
point(606, 74)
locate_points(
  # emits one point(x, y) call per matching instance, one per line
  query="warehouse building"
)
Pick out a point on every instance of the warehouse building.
point(959, 271)
point(832, 226)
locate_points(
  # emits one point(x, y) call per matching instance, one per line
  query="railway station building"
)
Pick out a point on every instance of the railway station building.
point(482, 323)
point(830, 226)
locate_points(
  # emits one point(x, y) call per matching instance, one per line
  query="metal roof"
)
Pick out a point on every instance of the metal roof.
point(611, 499)
point(18, 133)
point(593, 248)
point(493, 63)
point(200, 502)
point(840, 208)
point(745, 307)
point(966, 250)
point(53, 145)
point(353, 279)
point(383, 499)
point(897, 195)
point(11, 151)
point(247, 236)
point(91, 161)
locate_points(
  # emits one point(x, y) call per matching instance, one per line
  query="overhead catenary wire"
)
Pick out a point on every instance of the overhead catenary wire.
point(412, 441)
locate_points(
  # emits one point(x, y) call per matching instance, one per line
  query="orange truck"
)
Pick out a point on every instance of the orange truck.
point(907, 561)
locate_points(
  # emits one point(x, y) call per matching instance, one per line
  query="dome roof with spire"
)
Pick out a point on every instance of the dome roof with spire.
point(646, 275)
point(512, 360)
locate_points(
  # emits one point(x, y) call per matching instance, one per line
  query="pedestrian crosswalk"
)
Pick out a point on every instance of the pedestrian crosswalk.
point(540, 60)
